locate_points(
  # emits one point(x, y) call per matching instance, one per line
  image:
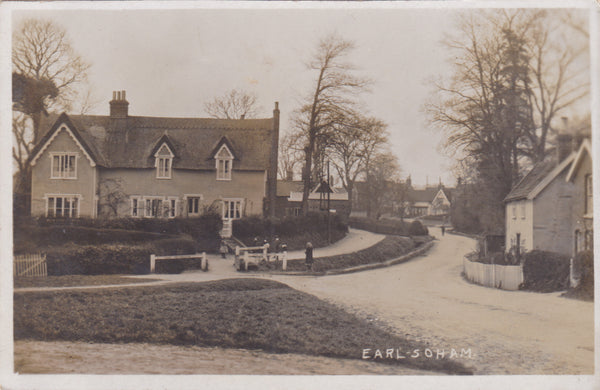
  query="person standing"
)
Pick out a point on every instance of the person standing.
point(223, 249)
point(309, 256)
point(443, 230)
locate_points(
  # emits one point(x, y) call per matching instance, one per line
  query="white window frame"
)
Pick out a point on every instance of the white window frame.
point(62, 173)
point(148, 202)
point(141, 207)
point(163, 162)
point(589, 194)
point(224, 166)
point(235, 201)
point(186, 198)
point(523, 210)
point(172, 203)
point(514, 212)
point(63, 197)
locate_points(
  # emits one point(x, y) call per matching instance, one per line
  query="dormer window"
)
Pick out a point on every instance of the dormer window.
point(164, 162)
point(224, 162)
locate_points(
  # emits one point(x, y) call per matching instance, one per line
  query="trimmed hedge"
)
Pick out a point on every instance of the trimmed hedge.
point(106, 259)
point(207, 225)
point(545, 271)
point(381, 226)
point(33, 238)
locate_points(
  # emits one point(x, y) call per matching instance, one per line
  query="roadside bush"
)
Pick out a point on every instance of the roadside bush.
point(545, 271)
point(381, 226)
point(416, 228)
point(73, 259)
point(583, 266)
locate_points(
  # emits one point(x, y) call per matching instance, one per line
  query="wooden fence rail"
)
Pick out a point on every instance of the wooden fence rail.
point(30, 265)
point(506, 277)
point(200, 256)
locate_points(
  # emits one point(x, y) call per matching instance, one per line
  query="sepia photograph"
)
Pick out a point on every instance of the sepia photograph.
point(298, 194)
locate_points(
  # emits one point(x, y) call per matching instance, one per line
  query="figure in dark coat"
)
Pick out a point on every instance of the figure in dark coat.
point(309, 256)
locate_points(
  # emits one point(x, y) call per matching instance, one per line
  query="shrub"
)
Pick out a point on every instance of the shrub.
point(73, 259)
point(381, 226)
point(545, 271)
point(416, 228)
point(583, 266)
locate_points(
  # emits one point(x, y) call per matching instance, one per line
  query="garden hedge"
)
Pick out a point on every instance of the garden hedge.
point(545, 271)
point(105, 259)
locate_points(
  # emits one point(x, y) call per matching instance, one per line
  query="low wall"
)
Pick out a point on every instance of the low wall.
point(506, 277)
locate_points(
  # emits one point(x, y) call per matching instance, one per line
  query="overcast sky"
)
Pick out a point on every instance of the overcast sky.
point(171, 62)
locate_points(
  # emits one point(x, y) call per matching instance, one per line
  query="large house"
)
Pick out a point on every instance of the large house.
point(431, 200)
point(149, 167)
point(551, 207)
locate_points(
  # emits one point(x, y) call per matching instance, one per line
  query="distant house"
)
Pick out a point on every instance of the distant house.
point(433, 200)
point(154, 167)
point(548, 208)
point(289, 199)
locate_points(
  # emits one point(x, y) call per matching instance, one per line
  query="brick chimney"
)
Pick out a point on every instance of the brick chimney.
point(564, 141)
point(119, 106)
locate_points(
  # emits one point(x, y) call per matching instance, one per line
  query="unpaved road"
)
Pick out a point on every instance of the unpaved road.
point(508, 332)
point(36, 357)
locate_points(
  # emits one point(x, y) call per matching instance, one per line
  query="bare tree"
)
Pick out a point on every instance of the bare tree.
point(290, 155)
point(112, 196)
point(509, 84)
point(235, 104)
point(42, 51)
point(332, 101)
point(353, 145)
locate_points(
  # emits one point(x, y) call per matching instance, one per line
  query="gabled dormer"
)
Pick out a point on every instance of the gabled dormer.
point(223, 155)
point(163, 158)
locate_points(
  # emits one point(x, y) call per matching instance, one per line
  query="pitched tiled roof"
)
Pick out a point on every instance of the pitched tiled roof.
point(128, 143)
point(540, 172)
point(422, 195)
point(285, 187)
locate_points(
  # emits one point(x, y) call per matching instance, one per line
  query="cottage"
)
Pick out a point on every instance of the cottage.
point(289, 198)
point(547, 209)
point(153, 167)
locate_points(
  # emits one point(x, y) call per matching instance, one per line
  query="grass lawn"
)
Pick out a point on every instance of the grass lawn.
point(390, 247)
point(74, 280)
point(234, 313)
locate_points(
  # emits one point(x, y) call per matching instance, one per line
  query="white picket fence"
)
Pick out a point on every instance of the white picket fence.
point(505, 277)
point(256, 254)
point(30, 265)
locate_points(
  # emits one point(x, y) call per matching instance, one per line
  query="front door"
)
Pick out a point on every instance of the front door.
point(232, 209)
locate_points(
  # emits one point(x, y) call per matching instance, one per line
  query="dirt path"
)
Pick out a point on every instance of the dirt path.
point(508, 332)
point(36, 357)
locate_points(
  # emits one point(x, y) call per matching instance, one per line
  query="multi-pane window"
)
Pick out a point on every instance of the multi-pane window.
point(63, 206)
point(224, 161)
point(170, 208)
point(589, 195)
point(193, 205)
point(137, 207)
point(523, 210)
point(514, 212)
point(232, 209)
point(64, 166)
point(164, 162)
point(163, 168)
point(154, 207)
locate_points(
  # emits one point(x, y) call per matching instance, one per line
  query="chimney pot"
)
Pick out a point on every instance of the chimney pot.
point(119, 106)
point(123, 94)
point(243, 116)
point(277, 105)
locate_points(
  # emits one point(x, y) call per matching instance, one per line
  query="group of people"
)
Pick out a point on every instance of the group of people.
point(278, 246)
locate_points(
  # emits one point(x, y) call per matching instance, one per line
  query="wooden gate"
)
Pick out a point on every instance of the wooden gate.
point(30, 265)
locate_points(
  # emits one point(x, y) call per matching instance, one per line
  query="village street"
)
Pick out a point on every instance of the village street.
point(427, 299)
point(424, 299)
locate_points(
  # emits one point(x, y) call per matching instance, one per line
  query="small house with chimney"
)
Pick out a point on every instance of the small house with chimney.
point(321, 198)
point(548, 208)
point(154, 167)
